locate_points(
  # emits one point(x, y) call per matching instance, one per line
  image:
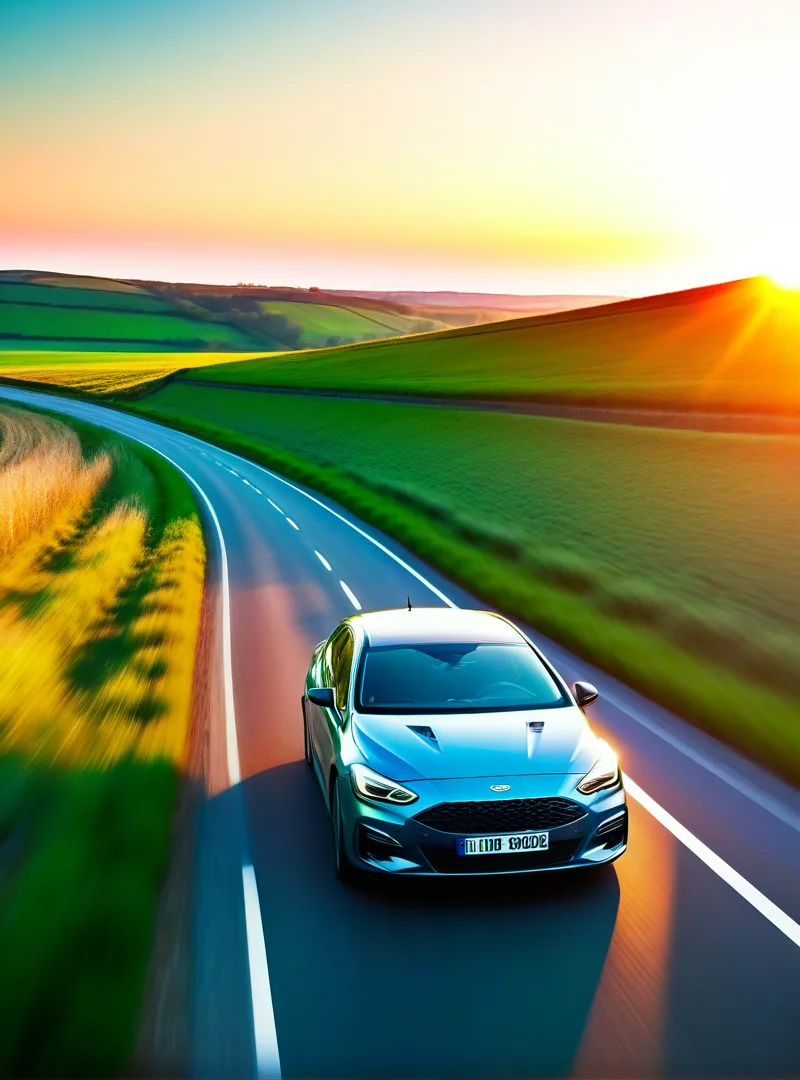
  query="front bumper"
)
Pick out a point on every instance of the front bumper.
point(382, 839)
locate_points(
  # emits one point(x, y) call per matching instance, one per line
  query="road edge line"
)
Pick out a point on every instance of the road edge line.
point(762, 904)
point(268, 1063)
point(265, 1035)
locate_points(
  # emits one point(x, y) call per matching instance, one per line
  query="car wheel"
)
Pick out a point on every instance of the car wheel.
point(306, 736)
point(345, 871)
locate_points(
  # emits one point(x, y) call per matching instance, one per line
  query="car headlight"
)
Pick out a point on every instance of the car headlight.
point(604, 773)
point(371, 785)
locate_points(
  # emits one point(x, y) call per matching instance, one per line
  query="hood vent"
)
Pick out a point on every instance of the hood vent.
point(535, 729)
point(425, 733)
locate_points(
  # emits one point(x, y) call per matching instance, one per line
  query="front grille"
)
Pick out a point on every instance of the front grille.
point(446, 861)
point(500, 816)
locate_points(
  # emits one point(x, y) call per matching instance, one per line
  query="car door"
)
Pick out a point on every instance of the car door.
point(337, 664)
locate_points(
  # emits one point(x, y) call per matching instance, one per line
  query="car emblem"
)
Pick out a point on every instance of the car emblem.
point(536, 726)
point(500, 787)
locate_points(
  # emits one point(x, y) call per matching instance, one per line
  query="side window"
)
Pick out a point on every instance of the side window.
point(342, 663)
point(331, 651)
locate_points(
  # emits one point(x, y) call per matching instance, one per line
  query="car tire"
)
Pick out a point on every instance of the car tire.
point(345, 871)
point(306, 735)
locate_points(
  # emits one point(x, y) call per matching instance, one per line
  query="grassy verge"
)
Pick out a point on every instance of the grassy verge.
point(99, 608)
point(501, 569)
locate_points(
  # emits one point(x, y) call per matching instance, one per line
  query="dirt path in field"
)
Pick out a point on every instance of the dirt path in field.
point(748, 423)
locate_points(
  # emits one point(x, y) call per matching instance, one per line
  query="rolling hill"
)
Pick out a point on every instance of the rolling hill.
point(43, 311)
point(729, 347)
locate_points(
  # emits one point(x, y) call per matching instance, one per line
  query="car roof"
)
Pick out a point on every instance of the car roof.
point(432, 625)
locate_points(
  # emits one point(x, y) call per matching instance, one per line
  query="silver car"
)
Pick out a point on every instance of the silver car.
point(446, 744)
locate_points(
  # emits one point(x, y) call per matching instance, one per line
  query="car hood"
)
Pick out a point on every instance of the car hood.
point(446, 746)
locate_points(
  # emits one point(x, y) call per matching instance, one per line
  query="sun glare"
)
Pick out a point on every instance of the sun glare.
point(788, 278)
point(782, 261)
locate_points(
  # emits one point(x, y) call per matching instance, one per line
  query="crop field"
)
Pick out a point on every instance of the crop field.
point(100, 372)
point(723, 348)
point(78, 323)
point(70, 281)
point(320, 322)
point(101, 577)
point(21, 293)
point(683, 541)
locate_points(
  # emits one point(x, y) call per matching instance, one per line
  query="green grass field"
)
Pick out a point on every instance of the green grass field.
point(669, 552)
point(20, 293)
point(320, 322)
point(724, 348)
point(68, 347)
point(78, 324)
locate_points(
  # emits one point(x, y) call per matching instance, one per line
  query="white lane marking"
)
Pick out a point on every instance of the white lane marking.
point(731, 778)
point(351, 596)
point(714, 862)
point(779, 919)
point(381, 547)
point(258, 491)
point(323, 560)
point(268, 1062)
point(274, 506)
point(293, 524)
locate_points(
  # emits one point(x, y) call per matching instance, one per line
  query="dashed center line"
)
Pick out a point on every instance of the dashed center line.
point(293, 524)
point(351, 596)
point(274, 506)
point(323, 560)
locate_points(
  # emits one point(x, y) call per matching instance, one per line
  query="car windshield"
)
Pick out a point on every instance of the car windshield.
point(465, 677)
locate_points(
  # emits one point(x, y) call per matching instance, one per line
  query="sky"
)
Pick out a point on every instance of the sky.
point(587, 146)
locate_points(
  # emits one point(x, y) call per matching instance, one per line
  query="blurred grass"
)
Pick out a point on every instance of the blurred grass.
point(99, 612)
point(692, 641)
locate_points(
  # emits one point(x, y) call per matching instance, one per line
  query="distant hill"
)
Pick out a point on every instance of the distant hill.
point(505, 302)
point(728, 347)
point(42, 310)
point(61, 312)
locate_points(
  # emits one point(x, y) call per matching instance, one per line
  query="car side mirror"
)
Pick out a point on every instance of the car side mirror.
point(322, 695)
point(584, 693)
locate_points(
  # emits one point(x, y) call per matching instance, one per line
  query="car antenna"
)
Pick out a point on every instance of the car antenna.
point(408, 601)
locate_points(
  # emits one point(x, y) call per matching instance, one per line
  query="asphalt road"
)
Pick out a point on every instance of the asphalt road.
point(681, 960)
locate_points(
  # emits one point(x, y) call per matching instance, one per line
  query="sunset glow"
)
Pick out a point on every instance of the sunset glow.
point(582, 146)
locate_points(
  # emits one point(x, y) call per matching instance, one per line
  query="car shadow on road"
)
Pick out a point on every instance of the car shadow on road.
point(411, 978)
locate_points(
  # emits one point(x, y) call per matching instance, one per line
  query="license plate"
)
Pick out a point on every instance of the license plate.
point(503, 845)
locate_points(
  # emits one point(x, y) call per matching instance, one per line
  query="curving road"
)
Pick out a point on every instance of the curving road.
point(681, 960)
